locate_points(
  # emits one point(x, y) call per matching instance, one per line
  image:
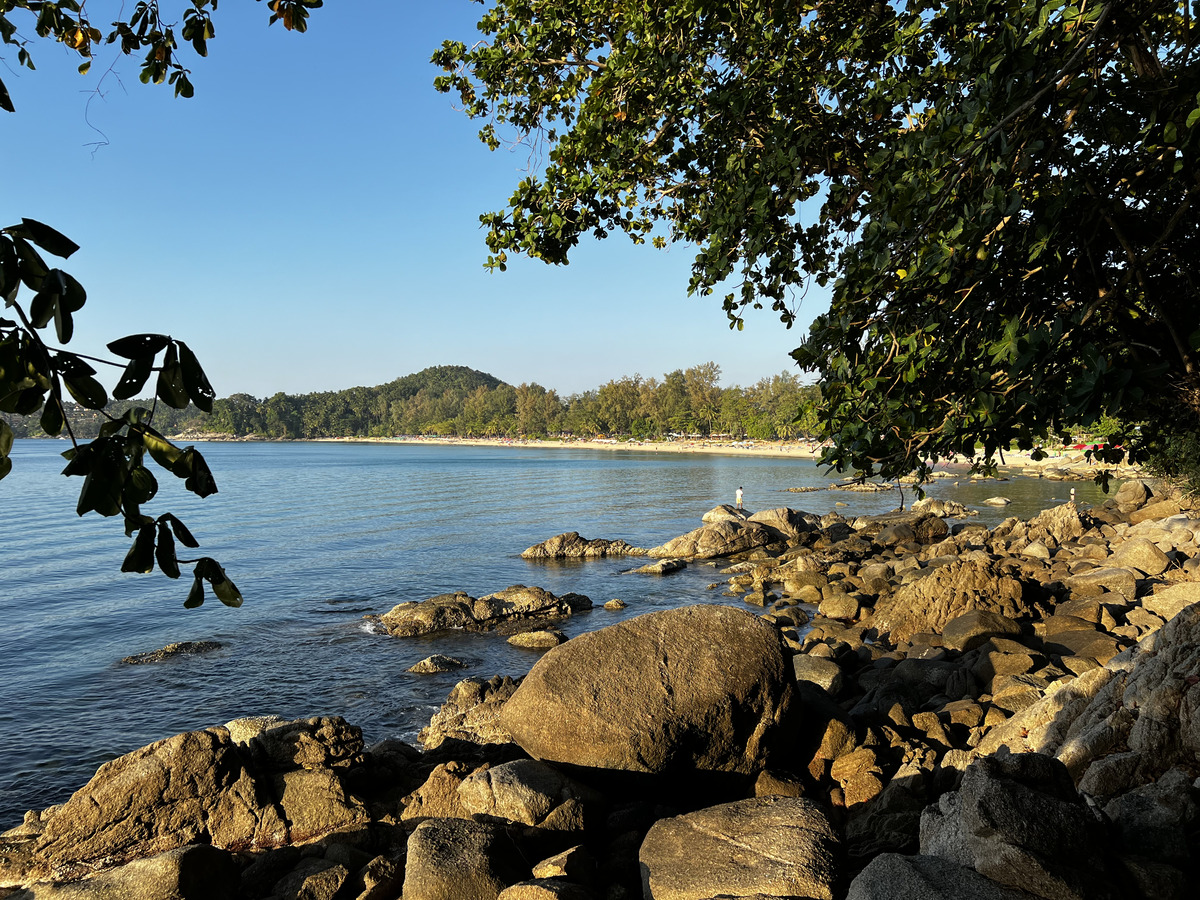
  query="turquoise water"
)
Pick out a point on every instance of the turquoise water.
point(316, 536)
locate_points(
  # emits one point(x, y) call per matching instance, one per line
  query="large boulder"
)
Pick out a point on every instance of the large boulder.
point(722, 538)
point(928, 604)
point(457, 859)
point(768, 846)
point(571, 546)
point(507, 608)
point(192, 788)
point(789, 524)
point(698, 688)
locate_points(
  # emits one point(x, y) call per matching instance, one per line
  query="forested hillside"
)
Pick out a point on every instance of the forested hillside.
point(456, 400)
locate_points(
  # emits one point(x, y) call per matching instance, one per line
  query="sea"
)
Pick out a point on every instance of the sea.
point(319, 535)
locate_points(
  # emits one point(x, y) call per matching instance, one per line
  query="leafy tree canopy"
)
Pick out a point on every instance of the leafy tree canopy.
point(1000, 193)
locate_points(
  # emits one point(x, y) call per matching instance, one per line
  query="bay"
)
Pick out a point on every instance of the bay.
point(317, 535)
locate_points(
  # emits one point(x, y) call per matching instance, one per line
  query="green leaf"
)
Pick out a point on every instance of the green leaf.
point(140, 557)
point(195, 380)
point(138, 345)
point(48, 239)
point(6, 439)
point(226, 591)
point(171, 389)
point(160, 449)
point(6, 104)
point(86, 390)
point(195, 596)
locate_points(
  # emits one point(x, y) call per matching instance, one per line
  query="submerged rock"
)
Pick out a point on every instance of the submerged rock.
point(184, 648)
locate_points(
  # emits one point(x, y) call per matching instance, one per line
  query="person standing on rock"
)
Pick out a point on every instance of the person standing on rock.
point(738, 498)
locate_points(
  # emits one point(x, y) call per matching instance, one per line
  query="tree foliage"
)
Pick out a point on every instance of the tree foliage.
point(35, 376)
point(999, 193)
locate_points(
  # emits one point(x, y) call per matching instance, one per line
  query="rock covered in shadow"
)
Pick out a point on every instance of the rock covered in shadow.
point(1019, 821)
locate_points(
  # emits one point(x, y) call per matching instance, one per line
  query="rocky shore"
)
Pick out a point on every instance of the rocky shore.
point(894, 706)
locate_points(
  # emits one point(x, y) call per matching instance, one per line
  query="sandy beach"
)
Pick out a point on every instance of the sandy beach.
point(801, 450)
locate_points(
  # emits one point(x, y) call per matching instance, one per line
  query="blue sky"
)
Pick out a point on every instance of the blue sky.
point(309, 220)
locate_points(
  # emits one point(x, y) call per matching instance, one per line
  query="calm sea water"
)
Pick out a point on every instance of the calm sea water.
point(316, 536)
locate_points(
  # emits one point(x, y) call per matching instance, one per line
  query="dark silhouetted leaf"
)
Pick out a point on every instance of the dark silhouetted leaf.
point(165, 554)
point(194, 379)
point(101, 493)
point(30, 264)
point(42, 309)
point(48, 239)
point(134, 378)
point(86, 390)
point(64, 325)
point(52, 418)
point(171, 389)
point(141, 486)
point(140, 557)
point(136, 345)
point(181, 533)
point(226, 591)
point(200, 482)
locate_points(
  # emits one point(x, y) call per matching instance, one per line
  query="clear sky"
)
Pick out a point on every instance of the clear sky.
point(309, 220)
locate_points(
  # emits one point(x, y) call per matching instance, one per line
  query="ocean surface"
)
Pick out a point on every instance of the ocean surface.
point(316, 536)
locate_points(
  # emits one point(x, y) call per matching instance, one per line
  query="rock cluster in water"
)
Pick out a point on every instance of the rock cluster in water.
point(915, 711)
